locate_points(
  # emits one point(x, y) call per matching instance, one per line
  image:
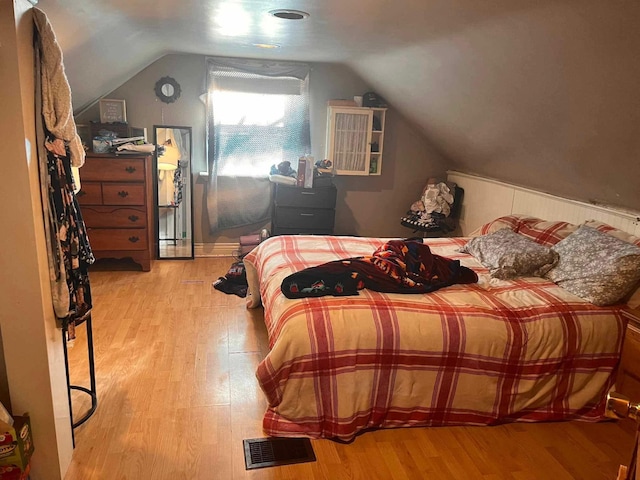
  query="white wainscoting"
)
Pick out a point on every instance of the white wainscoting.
point(486, 199)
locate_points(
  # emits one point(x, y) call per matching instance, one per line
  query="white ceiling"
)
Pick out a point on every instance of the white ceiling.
point(105, 43)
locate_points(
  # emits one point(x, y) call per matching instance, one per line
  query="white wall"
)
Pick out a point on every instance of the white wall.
point(32, 344)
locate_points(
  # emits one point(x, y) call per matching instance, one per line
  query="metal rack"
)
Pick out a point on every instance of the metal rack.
point(92, 378)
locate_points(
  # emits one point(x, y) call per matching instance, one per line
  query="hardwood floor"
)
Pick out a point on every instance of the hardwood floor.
point(175, 362)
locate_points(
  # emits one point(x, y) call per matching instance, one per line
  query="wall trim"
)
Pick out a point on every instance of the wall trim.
point(216, 249)
point(486, 199)
point(627, 213)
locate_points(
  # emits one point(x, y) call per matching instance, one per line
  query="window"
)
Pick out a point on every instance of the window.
point(254, 131)
point(257, 117)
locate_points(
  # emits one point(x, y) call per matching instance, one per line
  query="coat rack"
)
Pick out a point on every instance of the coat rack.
point(92, 378)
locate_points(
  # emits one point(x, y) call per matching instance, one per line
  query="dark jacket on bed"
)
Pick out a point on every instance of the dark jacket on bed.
point(399, 266)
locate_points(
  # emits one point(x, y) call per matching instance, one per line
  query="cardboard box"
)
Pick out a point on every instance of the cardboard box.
point(16, 444)
point(13, 472)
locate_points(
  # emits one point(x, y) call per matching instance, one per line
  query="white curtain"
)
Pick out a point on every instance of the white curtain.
point(237, 199)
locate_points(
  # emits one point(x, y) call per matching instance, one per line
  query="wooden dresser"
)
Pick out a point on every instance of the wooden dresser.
point(299, 210)
point(116, 200)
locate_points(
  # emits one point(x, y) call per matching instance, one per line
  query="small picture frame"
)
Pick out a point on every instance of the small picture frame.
point(113, 111)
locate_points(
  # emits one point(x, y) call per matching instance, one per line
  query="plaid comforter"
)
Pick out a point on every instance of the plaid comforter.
point(478, 354)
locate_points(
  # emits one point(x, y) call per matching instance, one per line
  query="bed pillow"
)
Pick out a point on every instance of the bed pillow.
point(633, 299)
point(510, 222)
point(596, 266)
point(545, 232)
point(508, 255)
point(605, 228)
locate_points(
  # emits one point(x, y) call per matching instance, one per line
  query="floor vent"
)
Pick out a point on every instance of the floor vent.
point(271, 452)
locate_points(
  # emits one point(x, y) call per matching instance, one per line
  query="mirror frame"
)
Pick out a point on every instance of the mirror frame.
point(168, 81)
point(188, 202)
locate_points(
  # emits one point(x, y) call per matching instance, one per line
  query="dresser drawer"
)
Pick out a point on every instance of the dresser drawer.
point(122, 194)
point(90, 193)
point(117, 238)
point(321, 197)
point(304, 218)
point(120, 217)
point(113, 170)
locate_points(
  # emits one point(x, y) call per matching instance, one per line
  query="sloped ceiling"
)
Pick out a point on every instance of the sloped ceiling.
point(540, 93)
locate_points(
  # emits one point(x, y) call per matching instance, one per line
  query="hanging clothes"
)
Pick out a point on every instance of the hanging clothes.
point(178, 184)
point(71, 237)
point(55, 92)
point(60, 150)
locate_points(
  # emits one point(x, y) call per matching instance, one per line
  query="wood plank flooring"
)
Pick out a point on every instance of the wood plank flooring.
point(177, 394)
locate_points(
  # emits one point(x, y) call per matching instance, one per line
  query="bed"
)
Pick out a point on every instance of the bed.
point(496, 351)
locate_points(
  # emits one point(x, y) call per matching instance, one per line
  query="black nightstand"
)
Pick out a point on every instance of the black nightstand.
point(303, 210)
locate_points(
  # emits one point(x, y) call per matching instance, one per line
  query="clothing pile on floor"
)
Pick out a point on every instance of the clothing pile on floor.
point(235, 281)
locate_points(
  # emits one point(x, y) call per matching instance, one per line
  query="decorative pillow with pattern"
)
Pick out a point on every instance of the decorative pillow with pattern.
point(596, 266)
point(633, 299)
point(508, 255)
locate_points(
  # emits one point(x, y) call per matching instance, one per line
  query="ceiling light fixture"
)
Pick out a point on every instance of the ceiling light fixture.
point(289, 14)
point(266, 45)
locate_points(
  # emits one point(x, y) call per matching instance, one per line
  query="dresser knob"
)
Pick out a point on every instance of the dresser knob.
point(123, 194)
point(133, 218)
point(130, 169)
point(134, 239)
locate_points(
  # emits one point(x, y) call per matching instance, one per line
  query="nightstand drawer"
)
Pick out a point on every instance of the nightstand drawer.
point(125, 217)
point(304, 218)
point(321, 197)
point(123, 194)
point(117, 238)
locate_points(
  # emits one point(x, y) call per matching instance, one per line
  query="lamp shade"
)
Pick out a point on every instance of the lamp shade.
point(169, 159)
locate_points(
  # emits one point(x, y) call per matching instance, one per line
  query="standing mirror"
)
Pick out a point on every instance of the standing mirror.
point(174, 192)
